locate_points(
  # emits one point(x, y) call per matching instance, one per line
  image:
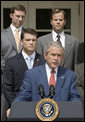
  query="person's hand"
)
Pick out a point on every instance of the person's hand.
point(8, 113)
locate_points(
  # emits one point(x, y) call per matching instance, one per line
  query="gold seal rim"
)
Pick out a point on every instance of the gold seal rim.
point(52, 102)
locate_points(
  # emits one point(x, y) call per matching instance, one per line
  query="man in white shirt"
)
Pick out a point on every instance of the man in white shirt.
point(8, 42)
point(70, 43)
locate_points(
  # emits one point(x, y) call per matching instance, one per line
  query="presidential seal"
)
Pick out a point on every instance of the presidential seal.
point(47, 109)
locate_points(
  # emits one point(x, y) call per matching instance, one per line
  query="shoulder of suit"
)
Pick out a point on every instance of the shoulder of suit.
point(45, 36)
point(72, 73)
point(71, 37)
point(34, 70)
point(68, 70)
point(7, 29)
point(64, 70)
point(37, 54)
point(37, 68)
point(12, 59)
point(40, 57)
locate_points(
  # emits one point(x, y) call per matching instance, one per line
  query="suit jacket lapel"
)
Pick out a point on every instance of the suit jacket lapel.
point(67, 48)
point(43, 79)
point(60, 82)
point(37, 59)
point(21, 61)
point(50, 37)
point(12, 39)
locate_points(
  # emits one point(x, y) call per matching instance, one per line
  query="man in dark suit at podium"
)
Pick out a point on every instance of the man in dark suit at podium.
point(17, 65)
point(65, 79)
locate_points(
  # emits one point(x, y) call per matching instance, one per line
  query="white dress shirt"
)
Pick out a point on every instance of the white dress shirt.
point(14, 30)
point(48, 71)
point(29, 59)
point(62, 37)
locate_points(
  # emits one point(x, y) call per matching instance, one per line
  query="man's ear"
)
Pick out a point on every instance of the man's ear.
point(64, 22)
point(11, 15)
point(45, 56)
point(62, 58)
point(21, 41)
point(50, 21)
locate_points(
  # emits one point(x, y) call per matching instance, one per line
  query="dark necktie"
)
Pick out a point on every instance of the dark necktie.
point(58, 38)
point(52, 78)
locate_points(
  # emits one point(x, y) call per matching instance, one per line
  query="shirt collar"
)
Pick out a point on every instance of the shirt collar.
point(61, 34)
point(49, 69)
point(33, 55)
point(55, 34)
point(26, 56)
point(14, 28)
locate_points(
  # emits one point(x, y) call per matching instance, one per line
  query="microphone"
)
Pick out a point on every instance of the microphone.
point(41, 91)
point(51, 91)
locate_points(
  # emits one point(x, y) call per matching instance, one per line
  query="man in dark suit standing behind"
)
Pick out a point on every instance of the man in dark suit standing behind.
point(70, 43)
point(15, 67)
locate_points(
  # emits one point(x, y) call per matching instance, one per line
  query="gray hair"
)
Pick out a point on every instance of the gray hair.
point(54, 44)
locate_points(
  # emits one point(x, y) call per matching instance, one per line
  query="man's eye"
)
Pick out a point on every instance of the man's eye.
point(27, 40)
point(61, 19)
point(17, 16)
point(34, 40)
point(53, 54)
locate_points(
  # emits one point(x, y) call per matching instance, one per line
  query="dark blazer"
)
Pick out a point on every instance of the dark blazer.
point(65, 89)
point(14, 70)
point(71, 48)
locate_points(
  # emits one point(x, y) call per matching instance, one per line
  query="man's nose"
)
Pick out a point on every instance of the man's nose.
point(31, 41)
point(55, 57)
point(58, 21)
point(20, 18)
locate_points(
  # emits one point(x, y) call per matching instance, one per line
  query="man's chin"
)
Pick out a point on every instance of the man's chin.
point(53, 67)
point(18, 25)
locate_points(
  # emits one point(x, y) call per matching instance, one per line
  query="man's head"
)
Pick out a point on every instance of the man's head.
point(17, 14)
point(29, 40)
point(54, 54)
point(58, 20)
